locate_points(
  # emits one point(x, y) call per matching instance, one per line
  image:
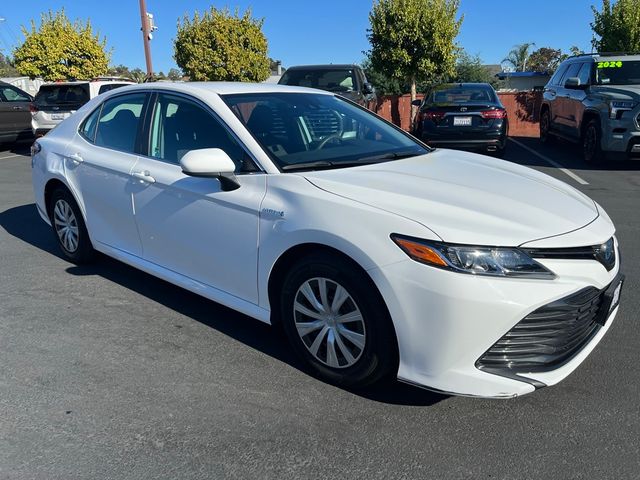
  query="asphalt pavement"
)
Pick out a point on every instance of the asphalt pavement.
point(107, 372)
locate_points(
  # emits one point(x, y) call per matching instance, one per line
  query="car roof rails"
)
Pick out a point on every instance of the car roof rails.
point(603, 54)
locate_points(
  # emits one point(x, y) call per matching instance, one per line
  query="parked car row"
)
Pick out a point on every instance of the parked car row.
point(594, 100)
point(23, 116)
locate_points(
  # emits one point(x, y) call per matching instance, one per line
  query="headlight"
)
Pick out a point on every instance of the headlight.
point(476, 260)
point(616, 107)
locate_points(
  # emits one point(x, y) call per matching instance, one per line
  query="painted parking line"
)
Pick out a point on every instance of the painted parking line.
point(11, 156)
point(553, 163)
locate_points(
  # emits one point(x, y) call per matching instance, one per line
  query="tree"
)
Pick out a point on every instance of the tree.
point(470, 69)
point(138, 75)
point(218, 45)
point(119, 71)
point(414, 40)
point(6, 67)
point(544, 60)
point(174, 74)
point(60, 49)
point(617, 25)
point(518, 57)
point(383, 84)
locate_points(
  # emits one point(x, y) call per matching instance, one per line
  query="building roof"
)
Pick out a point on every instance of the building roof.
point(503, 75)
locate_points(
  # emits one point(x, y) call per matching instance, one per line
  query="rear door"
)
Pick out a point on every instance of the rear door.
point(563, 111)
point(15, 117)
point(575, 100)
point(99, 162)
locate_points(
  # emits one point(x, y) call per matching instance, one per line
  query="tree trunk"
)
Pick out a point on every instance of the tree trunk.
point(414, 109)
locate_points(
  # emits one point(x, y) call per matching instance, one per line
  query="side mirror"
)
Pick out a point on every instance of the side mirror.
point(211, 162)
point(368, 89)
point(416, 103)
point(574, 84)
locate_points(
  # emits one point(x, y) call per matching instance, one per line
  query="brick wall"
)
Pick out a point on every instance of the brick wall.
point(523, 111)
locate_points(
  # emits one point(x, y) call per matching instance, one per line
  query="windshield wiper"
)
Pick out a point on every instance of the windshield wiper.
point(390, 156)
point(306, 165)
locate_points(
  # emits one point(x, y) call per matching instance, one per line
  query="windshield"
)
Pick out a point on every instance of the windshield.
point(462, 95)
point(330, 80)
point(312, 131)
point(66, 95)
point(618, 72)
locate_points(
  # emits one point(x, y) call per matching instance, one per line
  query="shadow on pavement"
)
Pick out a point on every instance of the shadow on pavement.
point(25, 224)
point(568, 154)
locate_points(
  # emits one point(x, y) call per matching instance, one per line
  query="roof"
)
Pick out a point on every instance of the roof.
point(503, 75)
point(226, 88)
point(326, 66)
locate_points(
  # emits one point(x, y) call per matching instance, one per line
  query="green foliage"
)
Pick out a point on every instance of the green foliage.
point(174, 74)
point(544, 60)
point(517, 58)
point(383, 84)
point(219, 45)
point(617, 25)
point(6, 67)
point(59, 49)
point(470, 69)
point(413, 41)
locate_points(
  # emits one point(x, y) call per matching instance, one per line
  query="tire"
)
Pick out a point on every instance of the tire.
point(364, 348)
point(69, 228)
point(545, 128)
point(591, 146)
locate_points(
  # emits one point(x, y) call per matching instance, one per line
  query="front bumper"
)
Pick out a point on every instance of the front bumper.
point(621, 137)
point(446, 321)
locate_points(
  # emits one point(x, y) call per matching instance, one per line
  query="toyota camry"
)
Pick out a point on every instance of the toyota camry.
point(378, 256)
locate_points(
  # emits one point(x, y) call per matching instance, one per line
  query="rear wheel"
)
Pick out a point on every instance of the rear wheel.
point(591, 147)
point(69, 228)
point(337, 322)
point(545, 127)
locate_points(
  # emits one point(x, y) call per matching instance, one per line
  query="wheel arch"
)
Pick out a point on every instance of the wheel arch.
point(586, 118)
point(52, 185)
point(296, 253)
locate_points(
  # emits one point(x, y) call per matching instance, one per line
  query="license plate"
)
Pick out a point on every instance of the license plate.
point(58, 116)
point(615, 299)
point(461, 121)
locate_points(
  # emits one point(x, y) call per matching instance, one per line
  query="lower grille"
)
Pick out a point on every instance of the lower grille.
point(548, 337)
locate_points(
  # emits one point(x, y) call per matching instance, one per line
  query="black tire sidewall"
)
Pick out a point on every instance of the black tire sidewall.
point(547, 137)
point(379, 357)
point(85, 252)
point(594, 126)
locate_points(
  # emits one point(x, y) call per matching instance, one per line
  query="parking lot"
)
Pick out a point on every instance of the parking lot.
point(107, 372)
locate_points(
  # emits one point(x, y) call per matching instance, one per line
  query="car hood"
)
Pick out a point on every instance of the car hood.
point(464, 197)
point(622, 92)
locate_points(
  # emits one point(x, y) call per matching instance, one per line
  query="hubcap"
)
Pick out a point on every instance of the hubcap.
point(66, 225)
point(329, 322)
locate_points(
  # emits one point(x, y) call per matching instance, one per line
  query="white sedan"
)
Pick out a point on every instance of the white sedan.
point(377, 255)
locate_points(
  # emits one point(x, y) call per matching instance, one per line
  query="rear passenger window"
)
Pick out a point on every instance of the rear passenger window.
point(119, 120)
point(88, 127)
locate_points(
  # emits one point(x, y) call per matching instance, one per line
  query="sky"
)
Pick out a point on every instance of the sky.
point(305, 32)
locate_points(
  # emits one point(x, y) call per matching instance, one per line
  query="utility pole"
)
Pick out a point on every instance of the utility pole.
point(147, 28)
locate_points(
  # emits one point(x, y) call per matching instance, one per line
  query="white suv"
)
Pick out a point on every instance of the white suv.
point(56, 101)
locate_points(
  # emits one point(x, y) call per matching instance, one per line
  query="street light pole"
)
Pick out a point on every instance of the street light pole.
point(146, 33)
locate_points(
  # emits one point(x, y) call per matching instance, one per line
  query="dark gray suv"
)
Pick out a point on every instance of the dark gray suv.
point(594, 99)
point(348, 81)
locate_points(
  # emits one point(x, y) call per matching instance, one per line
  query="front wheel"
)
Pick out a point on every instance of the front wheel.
point(591, 146)
point(337, 322)
point(69, 228)
point(545, 127)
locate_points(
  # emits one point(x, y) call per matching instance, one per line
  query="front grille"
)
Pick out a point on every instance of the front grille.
point(548, 337)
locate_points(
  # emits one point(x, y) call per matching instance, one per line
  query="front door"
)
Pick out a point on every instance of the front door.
point(190, 225)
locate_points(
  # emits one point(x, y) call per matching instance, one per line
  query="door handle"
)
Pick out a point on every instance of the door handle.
point(17, 108)
point(75, 158)
point(144, 176)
